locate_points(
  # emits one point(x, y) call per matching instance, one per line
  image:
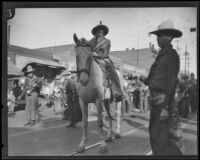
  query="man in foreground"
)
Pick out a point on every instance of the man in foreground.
point(164, 126)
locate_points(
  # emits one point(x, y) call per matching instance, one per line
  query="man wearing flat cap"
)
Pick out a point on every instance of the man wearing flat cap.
point(31, 89)
point(101, 48)
point(164, 126)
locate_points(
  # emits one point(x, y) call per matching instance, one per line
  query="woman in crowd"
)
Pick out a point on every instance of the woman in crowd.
point(74, 109)
point(16, 89)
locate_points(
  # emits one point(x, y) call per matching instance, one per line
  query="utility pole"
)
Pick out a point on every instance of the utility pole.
point(188, 62)
point(138, 50)
point(186, 54)
point(188, 58)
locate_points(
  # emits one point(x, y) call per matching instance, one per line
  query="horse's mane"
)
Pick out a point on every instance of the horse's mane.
point(84, 42)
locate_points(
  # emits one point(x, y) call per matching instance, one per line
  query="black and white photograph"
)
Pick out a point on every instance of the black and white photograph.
point(100, 81)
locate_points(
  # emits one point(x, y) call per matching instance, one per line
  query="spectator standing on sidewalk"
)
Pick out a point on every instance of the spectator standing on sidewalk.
point(193, 98)
point(184, 101)
point(31, 89)
point(56, 96)
point(16, 89)
point(143, 98)
point(137, 91)
point(11, 101)
point(126, 100)
point(74, 109)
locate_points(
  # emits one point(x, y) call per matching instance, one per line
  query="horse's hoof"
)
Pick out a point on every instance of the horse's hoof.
point(108, 139)
point(80, 149)
point(103, 149)
point(118, 135)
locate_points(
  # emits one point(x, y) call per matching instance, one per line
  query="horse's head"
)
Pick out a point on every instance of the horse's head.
point(83, 59)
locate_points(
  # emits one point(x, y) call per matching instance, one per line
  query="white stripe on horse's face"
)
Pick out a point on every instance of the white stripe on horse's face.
point(82, 56)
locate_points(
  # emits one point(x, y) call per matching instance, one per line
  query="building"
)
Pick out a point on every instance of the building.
point(125, 60)
point(66, 54)
point(135, 61)
point(21, 56)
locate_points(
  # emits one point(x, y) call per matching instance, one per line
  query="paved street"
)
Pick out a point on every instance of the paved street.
point(51, 137)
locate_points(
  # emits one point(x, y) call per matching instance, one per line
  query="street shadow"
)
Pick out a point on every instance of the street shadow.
point(12, 115)
point(188, 122)
point(189, 131)
point(130, 145)
point(142, 117)
point(16, 130)
point(137, 125)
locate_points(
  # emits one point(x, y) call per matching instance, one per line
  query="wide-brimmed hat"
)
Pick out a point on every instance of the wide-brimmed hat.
point(29, 69)
point(167, 28)
point(100, 27)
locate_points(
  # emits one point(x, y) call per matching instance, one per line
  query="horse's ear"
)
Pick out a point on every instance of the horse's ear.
point(76, 40)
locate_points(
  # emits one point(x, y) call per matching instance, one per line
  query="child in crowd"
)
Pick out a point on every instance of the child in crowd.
point(11, 101)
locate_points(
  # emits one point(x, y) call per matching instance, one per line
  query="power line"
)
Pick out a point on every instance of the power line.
point(34, 31)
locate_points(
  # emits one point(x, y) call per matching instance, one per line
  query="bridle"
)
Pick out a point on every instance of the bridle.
point(88, 63)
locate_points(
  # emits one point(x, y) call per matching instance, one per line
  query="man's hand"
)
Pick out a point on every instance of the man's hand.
point(19, 98)
point(164, 115)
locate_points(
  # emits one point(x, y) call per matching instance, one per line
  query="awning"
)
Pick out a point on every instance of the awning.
point(46, 71)
point(13, 70)
point(22, 61)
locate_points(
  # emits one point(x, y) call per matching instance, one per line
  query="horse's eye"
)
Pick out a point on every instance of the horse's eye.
point(77, 58)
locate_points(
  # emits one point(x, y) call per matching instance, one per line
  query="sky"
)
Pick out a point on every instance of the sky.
point(128, 27)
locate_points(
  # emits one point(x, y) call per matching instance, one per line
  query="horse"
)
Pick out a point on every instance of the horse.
point(91, 89)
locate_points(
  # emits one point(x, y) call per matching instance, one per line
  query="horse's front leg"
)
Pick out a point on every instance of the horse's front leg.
point(103, 146)
point(107, 108)
point(84, 109)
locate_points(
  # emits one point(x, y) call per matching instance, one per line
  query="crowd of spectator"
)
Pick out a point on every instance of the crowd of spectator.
point(136, 95)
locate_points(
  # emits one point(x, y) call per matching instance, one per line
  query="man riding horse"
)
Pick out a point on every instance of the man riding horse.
point(90, 56)
point(101, 48)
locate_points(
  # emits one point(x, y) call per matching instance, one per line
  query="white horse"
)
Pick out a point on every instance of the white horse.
point(91, 89)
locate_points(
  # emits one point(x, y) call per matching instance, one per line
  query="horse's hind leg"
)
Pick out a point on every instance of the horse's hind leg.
point(107, 108)
point(119, 105)
point(84, 109)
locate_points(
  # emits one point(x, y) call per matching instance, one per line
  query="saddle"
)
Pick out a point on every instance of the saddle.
point(102, 62)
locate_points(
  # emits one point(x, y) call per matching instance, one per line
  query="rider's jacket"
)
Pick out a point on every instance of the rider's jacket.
point(101, 46)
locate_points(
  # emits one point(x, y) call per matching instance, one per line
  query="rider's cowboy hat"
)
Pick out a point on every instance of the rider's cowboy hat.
point(100, 27)
point(29, 69)
point(167, 28)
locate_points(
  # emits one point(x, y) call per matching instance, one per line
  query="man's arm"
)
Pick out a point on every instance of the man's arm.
point(172, 72)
